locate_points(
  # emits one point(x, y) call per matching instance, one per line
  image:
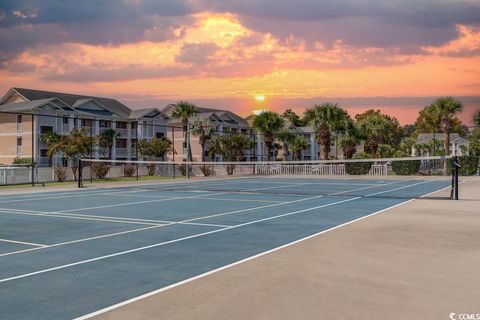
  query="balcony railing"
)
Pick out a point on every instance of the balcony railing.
point(19, 127)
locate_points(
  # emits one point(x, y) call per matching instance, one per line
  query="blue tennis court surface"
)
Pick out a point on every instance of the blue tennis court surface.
point(67, 254)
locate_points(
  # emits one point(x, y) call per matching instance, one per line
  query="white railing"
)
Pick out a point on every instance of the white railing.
point(19, 150)
point(19, 127)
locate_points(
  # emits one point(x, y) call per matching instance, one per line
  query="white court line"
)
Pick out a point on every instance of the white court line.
point(281, 203)
point(167, 242)
point(55, 215)
point(141, 202)
point(186, 238)
point(80, 240)
point(159, 196)
point(23, 242)
point(177, 284)
point(75, 194)
point(205, 217)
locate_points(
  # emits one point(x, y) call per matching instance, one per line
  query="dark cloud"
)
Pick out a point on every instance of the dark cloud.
point(197, 54)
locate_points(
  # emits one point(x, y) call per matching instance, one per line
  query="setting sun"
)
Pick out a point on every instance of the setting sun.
point(260, 98)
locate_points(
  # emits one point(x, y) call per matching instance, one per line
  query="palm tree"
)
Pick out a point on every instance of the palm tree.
point(297, 144)
point(269, 124)
point(407, 144)
point(325, 118)
point(184, 110)
point(204, 133)
point(106, 140)
point(349, 141)
point(285, 137)
point(373, 127)
point(443, 111)
point(51, 139)
point(476, 118)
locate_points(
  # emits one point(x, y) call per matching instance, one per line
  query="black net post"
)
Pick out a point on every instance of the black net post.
point(173, 151)
point(91, 150)
point(80, 174)
point(136, 149)
point(33, 151)
point(455, 166)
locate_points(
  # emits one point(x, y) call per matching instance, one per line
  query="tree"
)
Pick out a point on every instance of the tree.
point(407, 144)
point(385, 151)
point(474, 142)
point(441, 116)
point(285, 137)
point(230, 147)
point(184, 110)
point(376, 128)
point(51, 139)
point(325, 118)
point(269, 124)
point(204, 133)
point(155, 148)
point(74, 146)
point(297, 144)
point(106, 140)
point(349, 141)
point(293, 118)
point(476, 118)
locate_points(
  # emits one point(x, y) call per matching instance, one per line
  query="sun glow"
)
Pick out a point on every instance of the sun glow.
point(260, 98)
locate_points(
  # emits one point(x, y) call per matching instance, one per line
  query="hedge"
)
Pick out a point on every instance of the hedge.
point(406, 167)
point(468, 165)
point(359, 168)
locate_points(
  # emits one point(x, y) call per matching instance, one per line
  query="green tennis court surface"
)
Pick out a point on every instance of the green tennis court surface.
point(68, 254)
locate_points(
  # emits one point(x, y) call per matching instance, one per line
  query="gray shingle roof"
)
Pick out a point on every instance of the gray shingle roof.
point(30, 105)
point(71, 99)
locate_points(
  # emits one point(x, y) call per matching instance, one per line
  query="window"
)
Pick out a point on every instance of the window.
point(121, 143)
point(121, 125)
point(19, 142)
point(46, 129)
point(19, 118)
point(65, 120)
point(43, 152)
point(134, 125)
point(159, 135)
point(86, 122)
point(104, 124)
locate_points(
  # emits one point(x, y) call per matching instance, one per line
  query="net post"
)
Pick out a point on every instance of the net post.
point(80, 176)
point(33, 152)
point(455, 165)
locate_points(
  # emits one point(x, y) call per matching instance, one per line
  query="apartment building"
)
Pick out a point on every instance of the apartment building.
point(221, 121)
point(26, 114)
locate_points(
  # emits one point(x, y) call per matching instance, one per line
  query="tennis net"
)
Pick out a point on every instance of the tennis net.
point(416, 177)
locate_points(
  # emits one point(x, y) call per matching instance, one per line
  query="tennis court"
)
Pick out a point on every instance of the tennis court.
point(69, 254)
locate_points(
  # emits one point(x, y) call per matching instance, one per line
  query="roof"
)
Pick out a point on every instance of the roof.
point(72, 99)
point(225, 116)
point(145, 113)
point(454, 137)
point(34, 104)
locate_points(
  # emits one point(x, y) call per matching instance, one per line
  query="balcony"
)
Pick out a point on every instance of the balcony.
point(19, 150)
point(19, 127)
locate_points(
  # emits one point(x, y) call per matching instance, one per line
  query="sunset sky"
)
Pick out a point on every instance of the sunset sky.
point(395, 55)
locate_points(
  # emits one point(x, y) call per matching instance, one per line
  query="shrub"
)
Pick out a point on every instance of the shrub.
point(468, 165)
point(100, 170)
point(128, 170)
point(18, 160)
point(60, 173)
point(406, 167)
point(359, 168)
